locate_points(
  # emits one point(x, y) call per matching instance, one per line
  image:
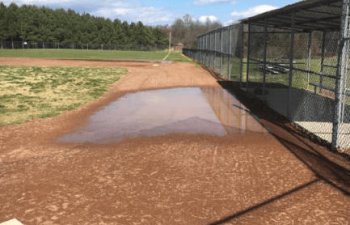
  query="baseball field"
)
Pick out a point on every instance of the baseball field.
point(130, 138)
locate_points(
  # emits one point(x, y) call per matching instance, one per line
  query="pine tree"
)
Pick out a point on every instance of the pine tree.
point(44, 25)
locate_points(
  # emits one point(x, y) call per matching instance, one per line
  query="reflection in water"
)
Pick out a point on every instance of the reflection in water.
point(210, 111)
point(233, 115)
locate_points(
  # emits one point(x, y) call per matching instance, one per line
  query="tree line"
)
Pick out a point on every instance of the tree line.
point(185, 30)
point(64, 28)
point(29, 23)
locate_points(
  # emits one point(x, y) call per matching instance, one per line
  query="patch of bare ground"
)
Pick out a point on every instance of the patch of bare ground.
point(247, 178)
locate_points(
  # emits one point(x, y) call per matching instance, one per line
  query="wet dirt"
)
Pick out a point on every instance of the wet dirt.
point(240, 178)
point(165, 111)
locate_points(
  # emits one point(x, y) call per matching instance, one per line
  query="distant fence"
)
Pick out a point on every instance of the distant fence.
point(73, 45)
point(221, 50)
point(296, 73)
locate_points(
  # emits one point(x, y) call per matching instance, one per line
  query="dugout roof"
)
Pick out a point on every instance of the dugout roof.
point(308, 15)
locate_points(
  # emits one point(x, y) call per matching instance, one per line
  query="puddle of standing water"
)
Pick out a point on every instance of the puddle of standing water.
point(210, 111)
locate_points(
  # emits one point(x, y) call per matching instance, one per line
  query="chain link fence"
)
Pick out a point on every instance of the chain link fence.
point(221, 51)
point(302, 74)
point(5, 44)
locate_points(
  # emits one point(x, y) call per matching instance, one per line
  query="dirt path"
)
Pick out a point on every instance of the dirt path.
point(174, 179)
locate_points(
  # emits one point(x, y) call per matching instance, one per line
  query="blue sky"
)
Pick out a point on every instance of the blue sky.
point(161, 12)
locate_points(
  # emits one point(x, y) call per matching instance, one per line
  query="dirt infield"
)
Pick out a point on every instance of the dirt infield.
point(246, 178)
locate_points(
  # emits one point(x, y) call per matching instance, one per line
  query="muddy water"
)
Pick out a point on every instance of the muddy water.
point(211, 111)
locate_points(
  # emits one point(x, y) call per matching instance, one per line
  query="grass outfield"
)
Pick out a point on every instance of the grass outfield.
point(39, 92)
point(92, 54)
point(178, 57)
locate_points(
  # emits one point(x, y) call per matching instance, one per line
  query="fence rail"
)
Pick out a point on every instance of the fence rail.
point(73, 45)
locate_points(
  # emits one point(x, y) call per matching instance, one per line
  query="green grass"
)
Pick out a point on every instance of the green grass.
point(91, 54)
point(39, 92)
point(178, 57)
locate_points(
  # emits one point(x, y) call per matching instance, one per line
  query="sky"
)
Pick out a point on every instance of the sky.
point(162, 12)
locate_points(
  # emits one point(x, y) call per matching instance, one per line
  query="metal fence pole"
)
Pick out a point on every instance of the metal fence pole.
point(230, 53)
point(323, 52)
point(222, 32)
point(291, 67)
point(309, 56)
point(207, 55)
point(214, 57)
point(248, 54)
point(343, 58)
point(242, 54)
point(210, 49)
point(265, 56)
point(202, 48)
point(215, 44)
point(207, 48)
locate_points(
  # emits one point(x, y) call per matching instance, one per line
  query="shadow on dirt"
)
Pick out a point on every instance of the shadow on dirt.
point(316, 155)
point(330, 166)
point(264, 203)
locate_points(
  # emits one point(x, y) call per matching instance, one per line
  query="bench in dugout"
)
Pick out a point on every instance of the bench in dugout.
point(274, 69)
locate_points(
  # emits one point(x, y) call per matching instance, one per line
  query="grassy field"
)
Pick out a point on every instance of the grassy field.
point(178, 57)
point(92, 54)
point(39, 92)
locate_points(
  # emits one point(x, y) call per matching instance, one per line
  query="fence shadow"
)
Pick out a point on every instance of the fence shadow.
point(308, 152)
point(332, 167)
point(265, 203)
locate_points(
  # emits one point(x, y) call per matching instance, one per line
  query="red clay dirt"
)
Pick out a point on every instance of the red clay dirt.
point(246, 178)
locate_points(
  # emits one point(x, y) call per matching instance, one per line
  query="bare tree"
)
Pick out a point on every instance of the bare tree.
point(185, 30)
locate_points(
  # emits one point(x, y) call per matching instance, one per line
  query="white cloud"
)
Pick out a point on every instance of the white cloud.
point(147, 14)
point(252, 11)
point(131, 11)
point(207, 2)
point(228, 22)
point(37, 2)
point(204, 19)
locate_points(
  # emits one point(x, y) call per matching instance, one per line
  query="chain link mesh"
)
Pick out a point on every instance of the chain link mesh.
point(221, 51)
point(294, 72)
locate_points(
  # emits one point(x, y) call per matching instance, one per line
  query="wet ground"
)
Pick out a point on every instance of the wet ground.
point(165, 111)
point(243, 175)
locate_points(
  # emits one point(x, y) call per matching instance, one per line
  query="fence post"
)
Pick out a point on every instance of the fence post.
point(343, 58)
point(212, 60)
point(265, 57)
point(214, 52)
point(204, 44)
point(242, 54)
point(309, 56)
point(324, 36)
point(208, 52)
point(248, 54)
point(221, 50)
point(229, 71)
point(214, 57)
point(201, 47)
point(291, 66)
